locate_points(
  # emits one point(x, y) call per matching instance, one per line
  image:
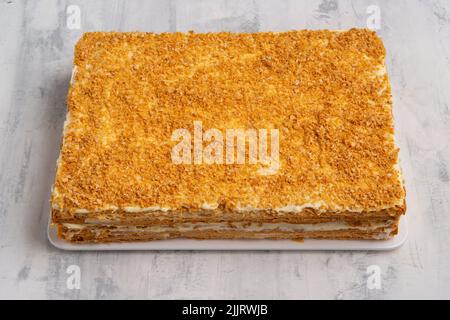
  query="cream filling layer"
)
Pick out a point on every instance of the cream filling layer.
point(238, 226)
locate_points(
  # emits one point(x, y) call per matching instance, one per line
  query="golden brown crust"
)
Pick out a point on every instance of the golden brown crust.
point(319, 88)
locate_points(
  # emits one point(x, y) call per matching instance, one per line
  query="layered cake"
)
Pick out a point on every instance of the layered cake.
point(223, 135)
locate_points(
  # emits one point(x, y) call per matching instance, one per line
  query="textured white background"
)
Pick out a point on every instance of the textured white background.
point(36, 51)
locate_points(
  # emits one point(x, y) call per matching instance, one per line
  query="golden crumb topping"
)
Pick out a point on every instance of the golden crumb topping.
point(326, 92)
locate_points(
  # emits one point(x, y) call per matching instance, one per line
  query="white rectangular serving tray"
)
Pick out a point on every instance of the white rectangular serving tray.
point(234, 245)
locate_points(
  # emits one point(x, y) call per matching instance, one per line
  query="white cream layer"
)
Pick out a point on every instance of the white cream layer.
point(239, 226)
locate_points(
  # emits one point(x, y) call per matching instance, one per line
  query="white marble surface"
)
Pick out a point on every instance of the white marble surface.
point(36, 50)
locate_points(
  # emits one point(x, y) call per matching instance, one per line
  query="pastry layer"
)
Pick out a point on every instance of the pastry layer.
point(215, 216)
point(89, 233)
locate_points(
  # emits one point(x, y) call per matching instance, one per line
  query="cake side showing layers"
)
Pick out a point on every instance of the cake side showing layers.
point(326, 92)
point(329, 230)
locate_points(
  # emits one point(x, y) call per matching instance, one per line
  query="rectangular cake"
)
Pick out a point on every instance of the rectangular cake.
point(223, 135)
